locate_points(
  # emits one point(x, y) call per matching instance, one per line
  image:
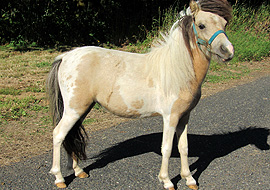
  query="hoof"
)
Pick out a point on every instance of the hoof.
point(61, 185)
point(195, 187)
point(83, 175)
point(169, 188)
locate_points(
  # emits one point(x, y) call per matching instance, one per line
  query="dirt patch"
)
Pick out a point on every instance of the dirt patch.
point(258, 70)
point(32, 135)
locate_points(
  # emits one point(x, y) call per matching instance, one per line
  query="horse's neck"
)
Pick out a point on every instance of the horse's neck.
point(171, 65)
point(200, 65)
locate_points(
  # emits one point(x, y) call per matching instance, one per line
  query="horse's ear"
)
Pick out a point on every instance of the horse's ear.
point(194, 7)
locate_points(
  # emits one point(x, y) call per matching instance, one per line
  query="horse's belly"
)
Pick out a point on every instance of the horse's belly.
point(131, 104)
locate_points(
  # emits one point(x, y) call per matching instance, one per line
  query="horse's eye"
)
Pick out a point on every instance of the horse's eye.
point(201, 26)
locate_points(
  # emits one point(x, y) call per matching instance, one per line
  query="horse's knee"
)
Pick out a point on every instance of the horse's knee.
point(58, 139)
point(166, 150)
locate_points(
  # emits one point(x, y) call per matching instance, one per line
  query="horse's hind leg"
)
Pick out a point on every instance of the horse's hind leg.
point(59, 134)
point(73, 164)
point(69, 119)
point(72, 160)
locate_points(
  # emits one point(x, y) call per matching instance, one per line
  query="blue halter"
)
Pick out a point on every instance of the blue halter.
point(203, 42)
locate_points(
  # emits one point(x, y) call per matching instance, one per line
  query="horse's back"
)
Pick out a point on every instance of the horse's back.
point(98, 60)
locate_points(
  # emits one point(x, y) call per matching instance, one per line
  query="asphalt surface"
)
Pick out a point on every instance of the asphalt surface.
point(228, 149)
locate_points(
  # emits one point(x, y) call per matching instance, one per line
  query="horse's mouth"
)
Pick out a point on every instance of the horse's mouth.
point(222, 59)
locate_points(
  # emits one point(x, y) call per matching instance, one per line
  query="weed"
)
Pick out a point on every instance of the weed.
point(38, 86)
point(10, 91)
point(34, 88)
point(18, 43)
point(249, 33)
point(215, 66)
point(97, 106)
point(89, 121)
point(46, 120)
point(221, 72)
point(43, 64)
point(248, 47)
point(15, 108)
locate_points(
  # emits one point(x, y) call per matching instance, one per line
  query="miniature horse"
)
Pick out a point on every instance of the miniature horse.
point(166, 81)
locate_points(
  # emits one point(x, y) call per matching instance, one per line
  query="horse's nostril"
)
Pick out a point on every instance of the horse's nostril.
point(223, 49)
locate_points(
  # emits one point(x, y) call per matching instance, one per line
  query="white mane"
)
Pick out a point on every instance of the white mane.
point(170, 63)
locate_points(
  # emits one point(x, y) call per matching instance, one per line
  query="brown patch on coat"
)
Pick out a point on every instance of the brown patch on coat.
point(189, 98)
point(133, 113)
point(83, 96)
point(200, 65)
point(155, 114)
point(109, 97)
point(150, 83)
point(114, 102)
point(69, 77)
point(180, 107)
point(117, 106)
point(138, 104)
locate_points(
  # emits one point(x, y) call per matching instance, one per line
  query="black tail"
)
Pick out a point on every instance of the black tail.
point(74, 142)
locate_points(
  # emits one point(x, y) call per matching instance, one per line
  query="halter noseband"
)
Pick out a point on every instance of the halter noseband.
point(203, 42)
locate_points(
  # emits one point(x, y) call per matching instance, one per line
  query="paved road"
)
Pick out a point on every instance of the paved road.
point(228, 149)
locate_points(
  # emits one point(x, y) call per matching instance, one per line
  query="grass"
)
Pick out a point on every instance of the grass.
point(248, 46)
point(43, 64)
point(218, 73)
point(25, 72)
point(89, 120)
point(249, 32)
point(10, 91)
point(22, 89)
point(13, 108)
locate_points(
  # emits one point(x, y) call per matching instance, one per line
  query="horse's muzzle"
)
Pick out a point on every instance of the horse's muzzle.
point(227, 52)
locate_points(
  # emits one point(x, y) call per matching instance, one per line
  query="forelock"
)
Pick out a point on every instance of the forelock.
point(219, 7)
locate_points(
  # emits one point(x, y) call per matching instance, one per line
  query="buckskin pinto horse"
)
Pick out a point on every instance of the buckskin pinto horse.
point(166, 81)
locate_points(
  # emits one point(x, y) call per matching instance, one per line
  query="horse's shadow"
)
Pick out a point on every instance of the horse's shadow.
point(205, 147)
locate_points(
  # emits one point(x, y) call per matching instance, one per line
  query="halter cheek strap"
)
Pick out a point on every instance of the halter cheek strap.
point(203, 42)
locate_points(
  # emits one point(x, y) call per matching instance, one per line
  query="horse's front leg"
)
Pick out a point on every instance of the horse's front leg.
point(166, 149)
point(181, 132)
